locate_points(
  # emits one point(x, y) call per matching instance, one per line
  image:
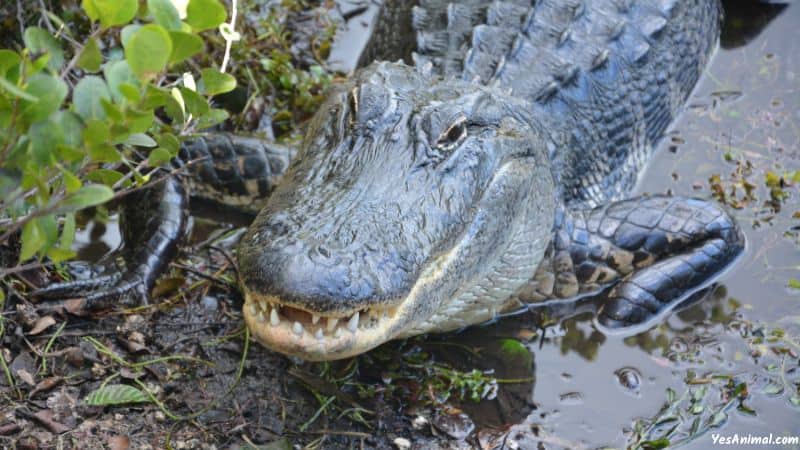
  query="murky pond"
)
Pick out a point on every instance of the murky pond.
point(739, 142)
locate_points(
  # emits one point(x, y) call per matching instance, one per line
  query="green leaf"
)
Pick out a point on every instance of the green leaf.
point(205, 14)
point(118, 74)
point(45, 136)
point(148, 51)
point(214, 82)
point(32, 240)
point(90, 57)
point(87, 97)
point(169, 142)
point(771, 179)
point(184, 45)
point(111, 12)
point(127, 32)
point(96, 133)
point(105, 153)
point(16, 91)
point(60, 254)
point(196, 105)
point(794, 283)
point(89, 195)
point(71, 125)
point(164, 14)
point(39, 40)
point(154, 97)
point(8, 59)
point(50, 92)
point(141, 140)
point(139, 121)
point(130, 92)
point(174, 106)
point(214, 117)
point(113, 112)
point(116, 394)
point(655, 444)
point(70, 153)
point(158, 157)
point(106, 176)
point(71, 182)
point(49, 228)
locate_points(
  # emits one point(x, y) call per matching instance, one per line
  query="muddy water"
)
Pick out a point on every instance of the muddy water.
point(742, 123)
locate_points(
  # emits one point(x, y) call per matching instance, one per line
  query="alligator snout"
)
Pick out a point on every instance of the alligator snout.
point(312, 276)
point(309, 294)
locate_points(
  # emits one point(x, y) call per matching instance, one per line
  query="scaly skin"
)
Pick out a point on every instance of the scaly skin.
point(491, 173)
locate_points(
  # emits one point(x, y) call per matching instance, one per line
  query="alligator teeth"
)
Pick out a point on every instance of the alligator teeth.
point(318, 334)
point(297, 328)
point(253, 309)
point(261, 317)
point(352, 325)
point(338, 333)
point(314, 318)
point(332, 321)
point(264, 305)
point(273, 317)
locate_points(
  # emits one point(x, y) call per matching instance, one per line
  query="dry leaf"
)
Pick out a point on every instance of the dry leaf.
point(26, 376)
point(45, 385)
point(45, 417)
point(41, 324)
point(119, 443)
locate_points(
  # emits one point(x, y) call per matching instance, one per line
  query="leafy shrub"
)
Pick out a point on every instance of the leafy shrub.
point(84, 122)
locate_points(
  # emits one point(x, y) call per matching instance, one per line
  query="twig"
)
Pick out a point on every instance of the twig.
point(171, 173)
point(20, 18)
point(77, 55)
point(228, 38)
point(6, 272)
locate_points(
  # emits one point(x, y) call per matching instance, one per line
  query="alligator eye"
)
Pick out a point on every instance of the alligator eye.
point(453, 135)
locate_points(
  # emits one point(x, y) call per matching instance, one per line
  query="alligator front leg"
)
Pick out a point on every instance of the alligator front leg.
point(153, 222)
point(655, 251)
point(222, 168)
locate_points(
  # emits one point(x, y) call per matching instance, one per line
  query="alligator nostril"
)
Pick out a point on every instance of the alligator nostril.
point(323, 251)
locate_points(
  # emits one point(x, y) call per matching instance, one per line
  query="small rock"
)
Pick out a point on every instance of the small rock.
point(402, 443)
point(419, 422)
point(210, 303)
point(630, 379)
point(457, 426)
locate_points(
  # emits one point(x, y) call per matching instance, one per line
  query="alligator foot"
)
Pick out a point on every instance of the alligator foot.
point(655, 251)
point(233, 170)
point(153, 222)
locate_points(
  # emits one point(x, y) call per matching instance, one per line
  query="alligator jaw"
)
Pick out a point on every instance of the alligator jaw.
point(317, 336)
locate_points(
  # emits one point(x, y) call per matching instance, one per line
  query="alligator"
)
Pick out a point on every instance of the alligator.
point(488, 169)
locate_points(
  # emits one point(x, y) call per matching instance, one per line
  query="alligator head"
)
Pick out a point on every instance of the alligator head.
point(414, 205)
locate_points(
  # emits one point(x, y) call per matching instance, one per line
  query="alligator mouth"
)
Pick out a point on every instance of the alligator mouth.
point(317, 336)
